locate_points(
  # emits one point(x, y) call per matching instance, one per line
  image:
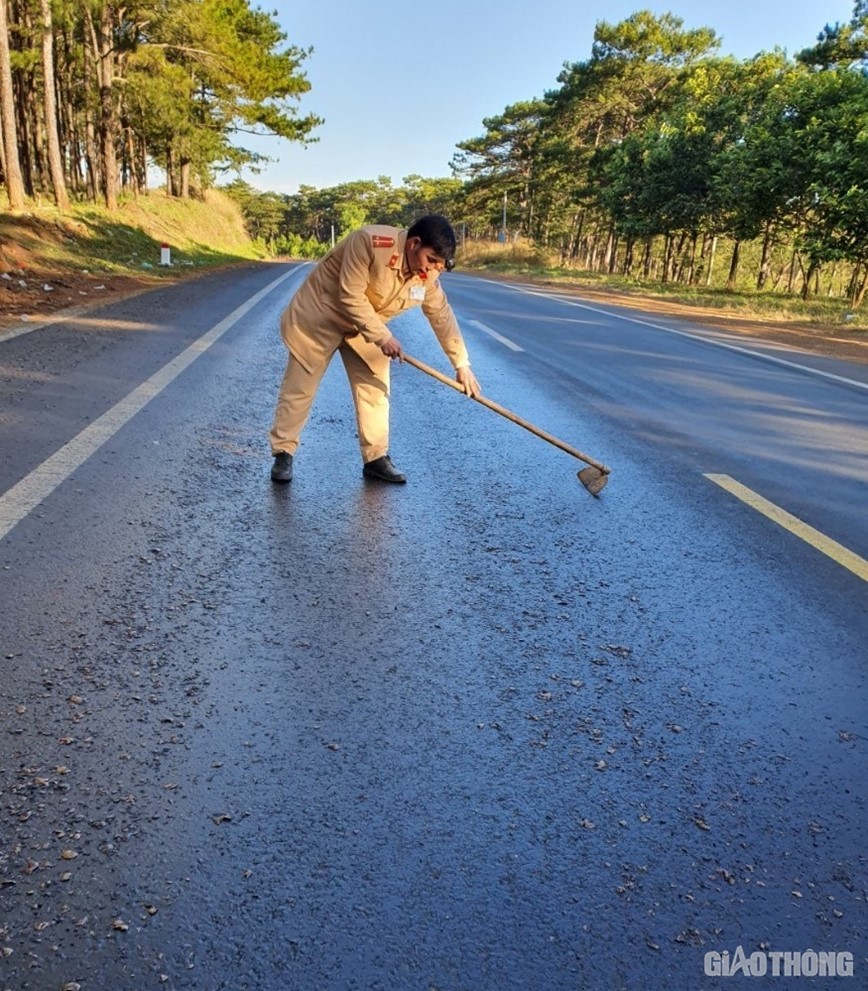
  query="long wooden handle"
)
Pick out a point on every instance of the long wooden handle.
point(503, 411)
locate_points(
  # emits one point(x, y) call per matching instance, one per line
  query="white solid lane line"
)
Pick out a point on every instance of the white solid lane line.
point(25, 495)
point(695, 337)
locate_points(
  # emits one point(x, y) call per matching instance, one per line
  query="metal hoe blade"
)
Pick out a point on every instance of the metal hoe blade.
point(593, 480)
point(594, 477)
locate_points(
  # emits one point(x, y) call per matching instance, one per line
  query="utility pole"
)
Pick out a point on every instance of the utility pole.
point(503, 228)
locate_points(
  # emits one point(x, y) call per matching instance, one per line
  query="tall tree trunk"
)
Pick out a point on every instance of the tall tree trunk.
point(185, 178)
point(766, 259)
point(104, 57)
point(170, 171)
point(131, 159)
point(94, 170)
point(677, 255)
point(2, 148)
point(646, 257)
point(667, 256)
point(813, 269)
point(31, 146)
point(75, 175)
point(40, 140)
point(853, 282)
point(55, 164)
point(24, 130)
point(699, 273)
point(612, 265)
point(859, 289)
point(578, 228)
point(70, 134)
point(142, 163)
point(711, 256)
point(12, 165)
point(93, 176)
point(693, 270)
point(591, 255)
point(732, 278)
point(791, 278)
point(628, 256)
point(108, 117)
point(688, 261)
point(608, 251)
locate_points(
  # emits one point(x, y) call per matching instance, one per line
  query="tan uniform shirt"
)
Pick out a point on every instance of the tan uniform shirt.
point(358, 286)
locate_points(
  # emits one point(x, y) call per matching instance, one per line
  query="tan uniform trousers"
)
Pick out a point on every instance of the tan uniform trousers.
point(367, 369)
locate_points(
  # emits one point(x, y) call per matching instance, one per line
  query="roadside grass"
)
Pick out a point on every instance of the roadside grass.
point(522, 261)
point(200, 232)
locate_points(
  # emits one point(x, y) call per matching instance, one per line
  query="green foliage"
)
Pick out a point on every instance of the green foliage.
point(654, 143)
point(171, 82)
point(304, 224)
point(841, 45)
point(503, 159)
point(294, 246)
point(205, 71)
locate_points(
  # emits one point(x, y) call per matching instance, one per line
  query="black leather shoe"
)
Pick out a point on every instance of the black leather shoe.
point(383, 470)
point(281, 470)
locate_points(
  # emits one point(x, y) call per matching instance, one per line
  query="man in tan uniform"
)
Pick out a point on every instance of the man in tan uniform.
point(374, 274)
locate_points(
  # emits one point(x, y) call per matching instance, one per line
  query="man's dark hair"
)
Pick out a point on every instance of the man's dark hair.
point(435, 232)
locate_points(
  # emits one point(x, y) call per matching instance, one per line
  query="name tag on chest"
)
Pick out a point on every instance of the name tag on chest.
point(417, 293)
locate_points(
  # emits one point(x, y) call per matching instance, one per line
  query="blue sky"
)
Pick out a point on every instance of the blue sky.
point(399, 86)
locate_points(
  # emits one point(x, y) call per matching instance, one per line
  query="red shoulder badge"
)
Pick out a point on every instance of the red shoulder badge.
point(382, 241)
point(393, 261)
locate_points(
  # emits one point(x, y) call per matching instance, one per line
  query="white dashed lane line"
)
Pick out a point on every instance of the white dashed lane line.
point(493, 333)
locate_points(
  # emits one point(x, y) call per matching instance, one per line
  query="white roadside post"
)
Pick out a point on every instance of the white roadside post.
point(165, 254)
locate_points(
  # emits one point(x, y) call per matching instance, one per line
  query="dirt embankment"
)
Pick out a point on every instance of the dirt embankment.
point(51, 262)
point(34, 287)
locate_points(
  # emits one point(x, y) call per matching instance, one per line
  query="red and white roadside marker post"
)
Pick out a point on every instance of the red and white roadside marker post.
point(165, 254)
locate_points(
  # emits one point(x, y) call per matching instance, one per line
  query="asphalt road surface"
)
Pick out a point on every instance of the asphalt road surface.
point(482, 731)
